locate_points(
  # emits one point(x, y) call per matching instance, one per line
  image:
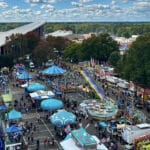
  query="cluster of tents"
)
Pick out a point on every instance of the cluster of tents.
point(23, 75)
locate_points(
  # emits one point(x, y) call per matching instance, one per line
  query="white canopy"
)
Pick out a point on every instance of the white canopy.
point(112, 79)
point(124, 85)
point(66, 144)
point(42, 94)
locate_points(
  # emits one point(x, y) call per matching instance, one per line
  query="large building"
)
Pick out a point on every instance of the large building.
point(36, 27)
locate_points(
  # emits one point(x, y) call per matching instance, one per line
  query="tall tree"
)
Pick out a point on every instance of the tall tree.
point(58, 43)
point(73, 52)
point(41, 52)
point(136, 64)
point(99, 47)
point(114, 58)
point(16, 45)
point(32, 41)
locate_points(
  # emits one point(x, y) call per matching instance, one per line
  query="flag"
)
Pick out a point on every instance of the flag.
point(92, 62)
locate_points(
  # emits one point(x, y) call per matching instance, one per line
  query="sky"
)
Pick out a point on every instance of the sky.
point(74, 10)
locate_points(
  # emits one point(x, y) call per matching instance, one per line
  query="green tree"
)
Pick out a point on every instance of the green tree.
point(73, 52)
point(136, 63)
point(16, 45)
point(114, 58)
point(99, 47)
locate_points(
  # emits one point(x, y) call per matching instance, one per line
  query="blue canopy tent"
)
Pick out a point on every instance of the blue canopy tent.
point(63, 118)
point(35, 87)
point(103, 124)
point(20, 69)
point(14, 115)
point(53, 70)
point(51, 104)
point(1, 144)
point(3, 107)
point(24, 76)
point(14, 129)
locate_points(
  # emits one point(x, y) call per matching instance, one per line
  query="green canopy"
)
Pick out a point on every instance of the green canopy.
point(7, 98)
point(84, 138)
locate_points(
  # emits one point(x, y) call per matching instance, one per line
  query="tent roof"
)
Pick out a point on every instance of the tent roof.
point(24, 76)
point(13, 115)
point(3, 107)
point(84, 138)
point(35, 87)
point(53, 70)
point(7, 98)
point(12, 129)
point(51, 104)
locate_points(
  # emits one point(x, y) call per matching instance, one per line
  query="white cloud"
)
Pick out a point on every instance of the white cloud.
point(3, 4)
point(37, 12)
point(43, 1)
point(76, 10)
point(85, 1)
point(15, 7)
point(77, 4)
point(113, 2)
point(47, 8)
point(33, 1)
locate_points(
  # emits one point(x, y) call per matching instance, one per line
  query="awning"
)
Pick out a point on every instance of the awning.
point(7, 98)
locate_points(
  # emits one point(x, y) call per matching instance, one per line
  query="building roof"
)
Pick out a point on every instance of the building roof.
point(20, 30)
point(61, 33)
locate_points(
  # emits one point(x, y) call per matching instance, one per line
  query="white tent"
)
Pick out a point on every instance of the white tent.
point(112, 79)
point(42, 94)
point(70, 143)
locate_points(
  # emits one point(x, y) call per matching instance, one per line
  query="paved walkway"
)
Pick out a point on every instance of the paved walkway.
point(42, 132)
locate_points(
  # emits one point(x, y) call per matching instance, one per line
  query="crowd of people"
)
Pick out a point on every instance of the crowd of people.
point(25, 105)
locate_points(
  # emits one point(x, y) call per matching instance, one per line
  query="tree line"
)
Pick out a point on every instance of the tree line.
point(124, 29)
point(133, 66)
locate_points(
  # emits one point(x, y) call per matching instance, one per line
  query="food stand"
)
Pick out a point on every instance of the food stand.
point(81, 140)
point(84, 139)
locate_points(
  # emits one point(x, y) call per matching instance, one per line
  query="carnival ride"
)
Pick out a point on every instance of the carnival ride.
point(103, 109)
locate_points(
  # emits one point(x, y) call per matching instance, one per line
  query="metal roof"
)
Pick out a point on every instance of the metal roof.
point(20, 30)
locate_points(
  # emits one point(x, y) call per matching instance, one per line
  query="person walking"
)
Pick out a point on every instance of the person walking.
point(37, 143)
point(45, 142)
point(32, 138)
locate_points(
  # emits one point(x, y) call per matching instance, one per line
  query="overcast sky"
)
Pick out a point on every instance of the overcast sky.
point(74, 10)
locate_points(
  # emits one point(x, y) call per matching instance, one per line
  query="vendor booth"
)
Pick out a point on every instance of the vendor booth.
point(51, 104)
point(40, 94)
point(7, 98)
point(63, 118)
point(53, 71)
point(84, 139)
point(35, 87)
point(14, 115)
point(81, 140)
